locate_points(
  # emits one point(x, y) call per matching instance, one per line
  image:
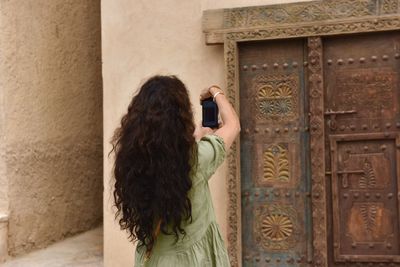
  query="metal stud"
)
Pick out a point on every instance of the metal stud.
point(356, 195)
point(376, 126)
point(352, 127)
point(365, 148)
point(383, 147)
point(278, 259)
point(266, 130)
point(276, 194)
point(385, 57)
point(313, 61)
point(266, 194)
point(371, 245)
point(247, 130)
point(287, 194)
point(386, 134)
point(329, 61)
point(388, 125)
point(364, 126)
point(294, 64)
point(308, 194)
point(353, 245)
point(373, 58)
point(362, 59)
point(342, 127)
point(397, 56)
point(289, 260)
point(350, 60)
point(264, 66)
point(299, 260)
point(256, 194)
point(277, 130)
point(335, 245)
point(340, 61)
point(285, 65)
point(305, 63)
point(295, 129)
point(367, 195)
point(267, 259)
point(253, 67)
point(245, 67)
point(390, 195)
point(389, 246)
point(256, 130)
point(297, 194)
point(276, 65)
point(286, 130)
point(398, 124)
point(345, 195)
point(377, 195)
point(257, 259)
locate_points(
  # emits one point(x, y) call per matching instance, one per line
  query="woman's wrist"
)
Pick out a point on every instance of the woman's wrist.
point(214, 89)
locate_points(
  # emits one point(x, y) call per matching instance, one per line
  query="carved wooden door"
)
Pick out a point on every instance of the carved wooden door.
point(361, 98)
point(362, 130)
point(276, 224)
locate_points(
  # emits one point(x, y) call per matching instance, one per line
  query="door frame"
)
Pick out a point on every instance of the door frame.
point(311, 20)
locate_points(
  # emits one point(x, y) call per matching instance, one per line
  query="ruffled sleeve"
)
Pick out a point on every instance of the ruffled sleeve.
point(211, 154)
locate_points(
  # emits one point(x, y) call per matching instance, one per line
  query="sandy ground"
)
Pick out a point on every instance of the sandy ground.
point(82, 250)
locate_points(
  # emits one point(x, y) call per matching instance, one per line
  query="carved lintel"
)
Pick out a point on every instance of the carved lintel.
point(378, 23)
point(312, 18)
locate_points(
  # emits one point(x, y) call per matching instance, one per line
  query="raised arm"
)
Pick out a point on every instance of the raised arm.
point(230, 121)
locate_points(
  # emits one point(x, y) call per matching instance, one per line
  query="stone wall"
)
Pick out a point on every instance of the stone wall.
point(142, 38)
point(50, 74)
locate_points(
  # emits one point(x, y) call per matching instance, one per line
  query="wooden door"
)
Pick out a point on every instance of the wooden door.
point(275, 178)
point(362, 151)
point(362, 129)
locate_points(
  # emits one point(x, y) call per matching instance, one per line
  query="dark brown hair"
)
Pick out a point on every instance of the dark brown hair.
point(154, 154)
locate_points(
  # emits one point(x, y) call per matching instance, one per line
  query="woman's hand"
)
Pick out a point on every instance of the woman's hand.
point(209, 92)
point(204, 94)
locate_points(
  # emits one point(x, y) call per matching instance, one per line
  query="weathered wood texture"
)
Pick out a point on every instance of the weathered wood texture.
point(304, 104)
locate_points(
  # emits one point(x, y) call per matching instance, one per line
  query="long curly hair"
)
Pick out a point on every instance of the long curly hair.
point(155, 152)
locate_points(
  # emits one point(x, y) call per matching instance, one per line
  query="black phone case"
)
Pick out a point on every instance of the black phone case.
point(209, 113)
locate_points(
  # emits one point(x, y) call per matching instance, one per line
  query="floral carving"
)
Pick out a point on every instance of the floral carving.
point(367, 179)
point(368, 213)
point(276, 96)
point(276, 226)
point(276, 164)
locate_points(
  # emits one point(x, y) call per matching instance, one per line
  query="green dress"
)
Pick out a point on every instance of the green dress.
point(203, 245)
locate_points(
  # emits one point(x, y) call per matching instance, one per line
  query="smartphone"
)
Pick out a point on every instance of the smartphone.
point(210, 113)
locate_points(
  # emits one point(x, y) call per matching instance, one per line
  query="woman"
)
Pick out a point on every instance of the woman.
point(162, 167)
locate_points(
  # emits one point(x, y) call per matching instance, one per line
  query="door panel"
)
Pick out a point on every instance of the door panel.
point(361, 78)
point(276, 227)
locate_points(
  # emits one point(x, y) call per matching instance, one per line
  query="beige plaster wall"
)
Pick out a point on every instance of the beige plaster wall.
point(145, 37)
point(51, 87)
